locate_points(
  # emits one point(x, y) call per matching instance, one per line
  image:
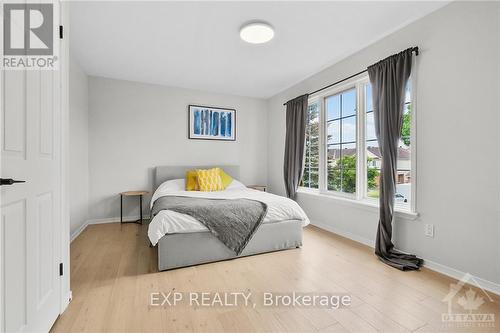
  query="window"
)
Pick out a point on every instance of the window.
point(311, 166)
point(342, 152)
point(373, 156)
point(341, 141)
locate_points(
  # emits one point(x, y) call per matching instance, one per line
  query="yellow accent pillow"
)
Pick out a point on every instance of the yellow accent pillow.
point(209, 180)
point(192, 181)
point(226, 179)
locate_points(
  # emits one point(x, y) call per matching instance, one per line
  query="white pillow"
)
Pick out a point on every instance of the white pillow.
point(235, 185)
point(173, 185)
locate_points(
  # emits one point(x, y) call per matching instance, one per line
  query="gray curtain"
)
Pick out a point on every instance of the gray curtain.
point(388, 79)
point(293, 166)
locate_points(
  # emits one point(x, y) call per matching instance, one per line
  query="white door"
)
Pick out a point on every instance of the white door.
point(31, 211)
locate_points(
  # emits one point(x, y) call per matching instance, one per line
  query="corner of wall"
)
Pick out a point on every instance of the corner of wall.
point(78, 146)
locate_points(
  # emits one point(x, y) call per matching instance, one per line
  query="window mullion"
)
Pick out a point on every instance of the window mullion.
point(360, 137)
point(322, 146)
point(413, 139)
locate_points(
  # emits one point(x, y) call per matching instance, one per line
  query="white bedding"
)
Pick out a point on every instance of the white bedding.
point(168, 222)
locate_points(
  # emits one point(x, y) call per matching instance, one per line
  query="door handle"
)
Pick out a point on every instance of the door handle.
point(10, 181)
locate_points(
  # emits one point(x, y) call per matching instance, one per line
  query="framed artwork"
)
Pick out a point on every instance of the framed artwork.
point(211, 123)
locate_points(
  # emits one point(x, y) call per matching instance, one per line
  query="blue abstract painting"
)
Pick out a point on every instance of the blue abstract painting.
point(210, 123)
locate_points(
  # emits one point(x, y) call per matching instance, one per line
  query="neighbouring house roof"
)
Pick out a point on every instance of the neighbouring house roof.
point(403, 153)
point(335, 153)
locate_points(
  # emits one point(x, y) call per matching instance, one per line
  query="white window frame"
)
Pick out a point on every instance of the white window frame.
point(360, 197)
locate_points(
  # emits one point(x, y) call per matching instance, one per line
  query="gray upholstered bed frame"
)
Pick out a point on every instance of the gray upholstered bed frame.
point(187, 249)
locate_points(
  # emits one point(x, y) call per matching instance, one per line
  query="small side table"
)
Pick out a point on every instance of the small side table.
point(262, 188)
point(131, 194)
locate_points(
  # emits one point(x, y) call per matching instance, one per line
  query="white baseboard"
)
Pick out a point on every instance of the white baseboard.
point(437, 267)
point(456, 274)
point(65, 302)
point(345, 234)
point(77, 232)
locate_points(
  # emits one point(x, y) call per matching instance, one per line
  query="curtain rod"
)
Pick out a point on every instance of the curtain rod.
point(413, 49)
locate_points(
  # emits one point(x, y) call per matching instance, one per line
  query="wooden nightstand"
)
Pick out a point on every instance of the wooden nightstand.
point(262, 188)
point(132, 194)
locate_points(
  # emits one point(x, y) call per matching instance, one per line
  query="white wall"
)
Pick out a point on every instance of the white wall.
point(458, 95)
point(135, 127)
point(78, 146)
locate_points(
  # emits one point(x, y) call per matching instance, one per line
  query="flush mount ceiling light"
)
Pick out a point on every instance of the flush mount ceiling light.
point(257, 32)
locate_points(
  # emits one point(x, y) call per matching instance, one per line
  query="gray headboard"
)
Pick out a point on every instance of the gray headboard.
point(168, 172)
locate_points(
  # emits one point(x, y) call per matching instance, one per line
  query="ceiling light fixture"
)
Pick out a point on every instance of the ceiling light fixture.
point(257, 32)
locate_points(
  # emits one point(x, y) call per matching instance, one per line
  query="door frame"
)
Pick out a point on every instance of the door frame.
point(65, 200)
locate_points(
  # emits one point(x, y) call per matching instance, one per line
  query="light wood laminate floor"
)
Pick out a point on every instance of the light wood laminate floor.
point(114, 271)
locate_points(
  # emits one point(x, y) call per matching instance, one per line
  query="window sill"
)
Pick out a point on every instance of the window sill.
point(369, 205)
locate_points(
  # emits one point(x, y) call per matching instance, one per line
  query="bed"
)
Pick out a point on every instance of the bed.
point(183, 241)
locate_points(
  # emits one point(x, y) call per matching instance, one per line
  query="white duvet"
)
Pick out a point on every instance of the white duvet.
point(169, 222)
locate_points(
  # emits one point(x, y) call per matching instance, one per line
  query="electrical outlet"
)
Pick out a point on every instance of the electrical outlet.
point(429, 230)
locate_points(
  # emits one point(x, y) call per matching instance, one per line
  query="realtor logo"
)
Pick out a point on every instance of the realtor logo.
point(28, 29)
point(464, 305)
point(28, 35)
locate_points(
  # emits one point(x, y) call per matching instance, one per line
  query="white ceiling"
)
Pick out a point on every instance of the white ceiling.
point(196, 44)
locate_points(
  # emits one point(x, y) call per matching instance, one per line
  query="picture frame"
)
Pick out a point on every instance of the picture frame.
point(211, 123)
